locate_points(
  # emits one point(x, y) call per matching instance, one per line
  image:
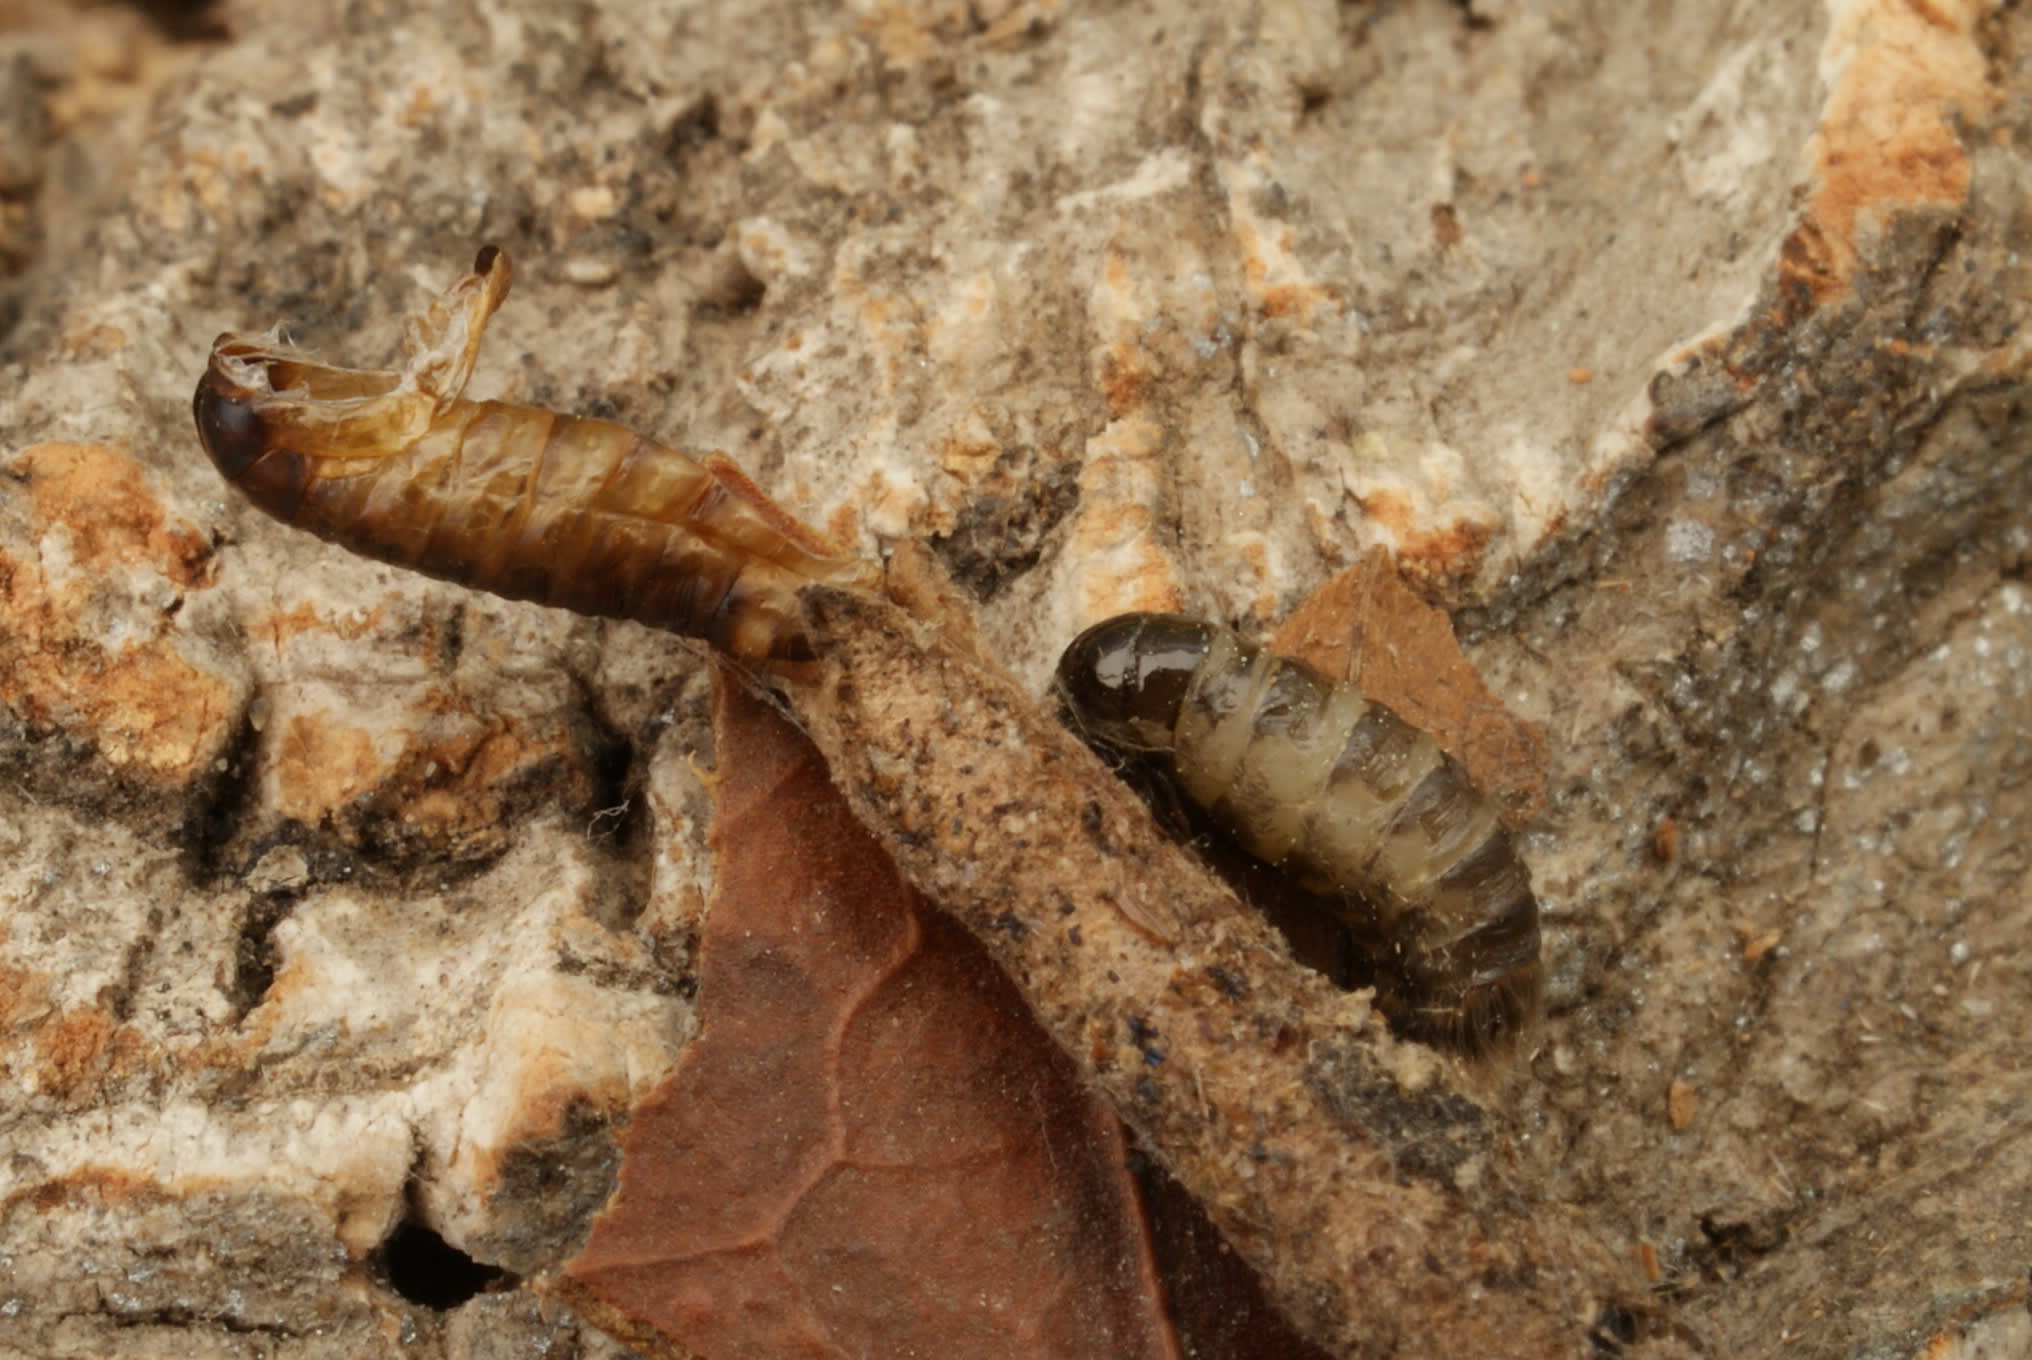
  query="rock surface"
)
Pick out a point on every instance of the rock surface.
point(1684, 357)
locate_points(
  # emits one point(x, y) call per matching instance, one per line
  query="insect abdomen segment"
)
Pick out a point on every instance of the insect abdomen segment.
point(1339, 792)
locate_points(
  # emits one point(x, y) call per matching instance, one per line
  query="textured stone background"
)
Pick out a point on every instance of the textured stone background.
point(1682, 353)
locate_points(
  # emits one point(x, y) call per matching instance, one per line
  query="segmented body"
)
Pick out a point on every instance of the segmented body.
point(1340, 793)
point(530, 504)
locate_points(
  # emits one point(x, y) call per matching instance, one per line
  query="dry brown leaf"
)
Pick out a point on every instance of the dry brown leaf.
point(871, 1149)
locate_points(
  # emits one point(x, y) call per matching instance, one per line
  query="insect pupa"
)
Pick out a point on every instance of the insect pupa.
point(1340, 794)
point(535, 505)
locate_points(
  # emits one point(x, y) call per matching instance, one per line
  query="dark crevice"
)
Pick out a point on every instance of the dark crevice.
point(617, 817)
point(184, 21)
point(696, 127)
point(616, 808)
point(451, 637)
point(623, 872)
point(120, 1001)
point(190, 1320)
point(430, 1272)
point(1729, 1246)
point(254, 957)
point(1614, 1331)
point(1215, 1299)
point(218, 810)
point(1473, 20)
point(730, 290)
point(1002, 533)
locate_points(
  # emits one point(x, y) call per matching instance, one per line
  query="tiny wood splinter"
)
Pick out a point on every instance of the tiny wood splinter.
point(531, 504)
point(1339, 791)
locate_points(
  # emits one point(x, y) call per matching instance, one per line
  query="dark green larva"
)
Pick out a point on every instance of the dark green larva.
point(1339, 793)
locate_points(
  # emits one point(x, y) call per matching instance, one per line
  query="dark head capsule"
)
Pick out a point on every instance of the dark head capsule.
point(240, 442)
point(1124, 678)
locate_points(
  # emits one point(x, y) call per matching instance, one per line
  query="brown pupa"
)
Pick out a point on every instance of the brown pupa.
point(1338, 792)
point(531, 504)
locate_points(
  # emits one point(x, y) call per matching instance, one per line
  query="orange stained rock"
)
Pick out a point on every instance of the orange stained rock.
point(16, 999)
point(1451, 552)
point(319, 764)
point(77, 1052)
point(1270, 268)
point(445, 782)
point(871, 1149)
point(95, 530)
point(278, 626)
point(1886, 138)
point(97, 494)
point(1125, 379)
point(1122, 562)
